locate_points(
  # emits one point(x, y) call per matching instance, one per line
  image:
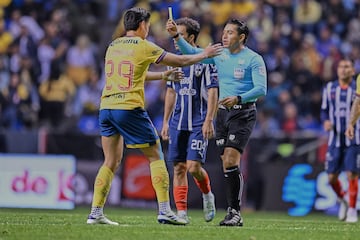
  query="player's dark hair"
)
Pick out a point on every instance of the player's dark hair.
point(192, 26)
point(134, 16)
point(242, 28)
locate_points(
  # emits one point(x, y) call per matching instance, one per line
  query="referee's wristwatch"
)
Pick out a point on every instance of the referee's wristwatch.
point(239, 100)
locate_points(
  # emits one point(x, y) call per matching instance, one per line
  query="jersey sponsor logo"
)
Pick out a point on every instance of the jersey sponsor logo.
point(185, 80)
point(239, 73)
point(187, 91)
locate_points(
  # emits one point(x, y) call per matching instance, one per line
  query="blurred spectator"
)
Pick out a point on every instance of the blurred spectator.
point(80, 60)
point(4, 71)
point(14, 102)
point(88, 98)
point(306, 14)
point(290, 118)
point(242, 9)
point(5, 38)
point(220, 11)
point(55, 93)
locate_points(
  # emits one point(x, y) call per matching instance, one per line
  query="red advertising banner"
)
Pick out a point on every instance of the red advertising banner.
point(136, 178)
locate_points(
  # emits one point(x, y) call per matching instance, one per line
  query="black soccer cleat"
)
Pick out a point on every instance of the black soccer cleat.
point(232, 218)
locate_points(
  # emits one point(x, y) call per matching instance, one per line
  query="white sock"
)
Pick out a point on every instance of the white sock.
point(164, 207)
point(206, 195)
point(97, 211)
point(182, 213)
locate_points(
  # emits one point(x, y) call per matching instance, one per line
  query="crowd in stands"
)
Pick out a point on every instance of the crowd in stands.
point(51, 55)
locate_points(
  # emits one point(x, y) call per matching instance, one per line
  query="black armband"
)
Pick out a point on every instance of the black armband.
point(239, 99)
point(177, 34)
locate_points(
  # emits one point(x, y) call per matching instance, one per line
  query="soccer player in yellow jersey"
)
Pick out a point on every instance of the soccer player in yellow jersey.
point(355, 111)
point(122, 116)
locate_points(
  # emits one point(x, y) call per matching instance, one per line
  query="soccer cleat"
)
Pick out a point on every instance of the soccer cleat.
point(183, 215)
point(100, 220)
point(170, 218)
point(351, 216)
point(232, 218)
point(209, 207)
point(343, 208)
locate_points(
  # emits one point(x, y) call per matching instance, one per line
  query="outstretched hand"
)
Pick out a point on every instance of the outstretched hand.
point(213, 50)
point(174, 75)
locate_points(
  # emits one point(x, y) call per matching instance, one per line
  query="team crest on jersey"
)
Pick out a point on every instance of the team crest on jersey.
point(198, 69)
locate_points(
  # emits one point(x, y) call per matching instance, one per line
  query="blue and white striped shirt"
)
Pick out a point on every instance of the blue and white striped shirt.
point(191, 96)
point(336, 107)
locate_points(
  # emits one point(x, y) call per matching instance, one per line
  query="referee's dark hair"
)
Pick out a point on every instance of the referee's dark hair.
point(134, 16)
point(192, 26)
point(242, 28)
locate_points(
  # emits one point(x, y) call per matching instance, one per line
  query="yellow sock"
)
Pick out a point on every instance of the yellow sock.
point(160, 180)
point(102, 186)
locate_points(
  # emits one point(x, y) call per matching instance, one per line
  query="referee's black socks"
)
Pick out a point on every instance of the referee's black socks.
point(234, 186)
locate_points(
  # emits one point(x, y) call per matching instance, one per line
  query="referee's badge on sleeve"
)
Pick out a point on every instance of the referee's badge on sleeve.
point(262, 71)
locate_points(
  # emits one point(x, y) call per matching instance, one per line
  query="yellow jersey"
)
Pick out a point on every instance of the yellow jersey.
point(127, 61)
point(358, 85)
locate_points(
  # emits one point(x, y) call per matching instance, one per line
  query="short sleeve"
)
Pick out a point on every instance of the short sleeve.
point(153, 52)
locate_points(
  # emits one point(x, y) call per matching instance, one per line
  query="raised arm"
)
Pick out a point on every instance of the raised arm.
point(184, 46)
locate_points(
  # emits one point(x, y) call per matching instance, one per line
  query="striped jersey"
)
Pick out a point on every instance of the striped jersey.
point(336, 107)
point(191, 96)
point(127, 60)
point(240, 74)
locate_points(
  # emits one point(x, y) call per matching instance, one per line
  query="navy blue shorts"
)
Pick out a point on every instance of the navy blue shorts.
point(234, 127)
point(134, 125)
point(343, 159)
point(186, 145)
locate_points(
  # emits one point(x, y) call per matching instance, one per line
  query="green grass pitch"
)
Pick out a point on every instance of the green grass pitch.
point(31, 224)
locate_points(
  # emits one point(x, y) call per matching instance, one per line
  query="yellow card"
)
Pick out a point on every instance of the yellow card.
point(170, 13)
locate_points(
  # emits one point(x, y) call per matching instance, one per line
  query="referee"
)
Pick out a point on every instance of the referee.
point(242, 80)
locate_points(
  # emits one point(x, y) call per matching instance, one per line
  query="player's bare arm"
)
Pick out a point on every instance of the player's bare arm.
point(208, 129)
point(169, 75)
point(170, 98)
point(354, 116)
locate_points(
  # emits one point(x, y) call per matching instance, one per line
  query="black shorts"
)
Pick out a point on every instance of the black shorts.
point(234, 127)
